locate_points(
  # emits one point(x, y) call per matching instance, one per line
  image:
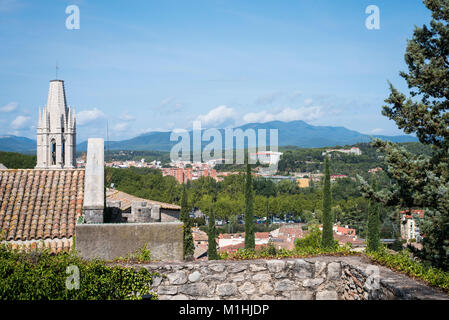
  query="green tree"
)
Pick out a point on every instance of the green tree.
point(249, 210)
point(373, 227)
point(189, 247)
point(212, 236)
point(422, 181)
point(327, 240)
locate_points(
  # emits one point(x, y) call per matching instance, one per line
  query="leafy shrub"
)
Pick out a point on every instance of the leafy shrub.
point(404, 262)
point(310, 245)
point(311, 240)
point(138, 256)
point(38, 275)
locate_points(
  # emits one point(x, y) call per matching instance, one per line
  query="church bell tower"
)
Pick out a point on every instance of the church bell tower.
point(56, 131)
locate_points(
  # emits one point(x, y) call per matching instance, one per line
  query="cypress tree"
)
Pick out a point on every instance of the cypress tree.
point(250, 242)
point(422, 181)
point(212, 236)
point(189, 246)
point(372, 238)
point(268, 211)
point(327, 240)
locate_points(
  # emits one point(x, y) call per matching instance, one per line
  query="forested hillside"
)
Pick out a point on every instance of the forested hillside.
point(310, 160)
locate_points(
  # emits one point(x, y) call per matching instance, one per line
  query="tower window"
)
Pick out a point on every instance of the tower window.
point(53, 152)
point(63, 152)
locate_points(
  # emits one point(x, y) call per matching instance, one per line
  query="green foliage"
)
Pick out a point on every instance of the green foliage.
point(13, 160)
point(397, 245)
point(212, 236)
point(124, 155)
point(37, 275)
point(299, 252)
point(311, 240)
point(250, 241)
point(141, 255)
point(404, 263)
point(230, 228)
point(422, 180)
point(189, 247)
point(372, 239)
point(328, 220)
point(144, 183)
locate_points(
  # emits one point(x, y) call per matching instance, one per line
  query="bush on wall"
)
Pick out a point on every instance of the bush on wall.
point(38, 275)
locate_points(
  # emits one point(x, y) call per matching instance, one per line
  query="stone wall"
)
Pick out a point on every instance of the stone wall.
point(319, 278)
point(109, 241)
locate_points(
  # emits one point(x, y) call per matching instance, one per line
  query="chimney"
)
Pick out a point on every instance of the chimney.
point(94, 196)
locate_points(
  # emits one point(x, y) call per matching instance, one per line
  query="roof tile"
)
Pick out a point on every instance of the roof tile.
point(40, 204)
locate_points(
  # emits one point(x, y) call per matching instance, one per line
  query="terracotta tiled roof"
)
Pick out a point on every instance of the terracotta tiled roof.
point(199, 235)
point(54, 245)
point(418, 212)
point(235, 247)
point(40, 204)
point(127, 199)
point(262, 235)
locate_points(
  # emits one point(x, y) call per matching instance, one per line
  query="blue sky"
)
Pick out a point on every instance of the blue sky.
point(159, 65)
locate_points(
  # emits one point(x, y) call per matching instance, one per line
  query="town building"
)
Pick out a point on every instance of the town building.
point(303, 182)
point(409, 224)
point(266, 157)
point(335, 177)
point(231, 242)
point(131, 207)
point(182, 175)
point(354, 151)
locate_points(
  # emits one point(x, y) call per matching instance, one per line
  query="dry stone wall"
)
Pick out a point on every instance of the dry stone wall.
point(319, 278)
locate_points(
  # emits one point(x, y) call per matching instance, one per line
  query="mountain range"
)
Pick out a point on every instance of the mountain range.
point(294, 133)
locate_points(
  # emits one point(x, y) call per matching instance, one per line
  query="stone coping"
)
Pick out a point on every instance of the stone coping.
point(393, 285)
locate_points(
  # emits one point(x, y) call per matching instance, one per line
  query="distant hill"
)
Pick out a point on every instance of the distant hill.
point(17, 144)
point(293, 133)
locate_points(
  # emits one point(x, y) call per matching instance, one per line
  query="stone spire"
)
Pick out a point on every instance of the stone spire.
point(56, 131)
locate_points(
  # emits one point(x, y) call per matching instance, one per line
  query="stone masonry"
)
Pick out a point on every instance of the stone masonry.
point(318, 278)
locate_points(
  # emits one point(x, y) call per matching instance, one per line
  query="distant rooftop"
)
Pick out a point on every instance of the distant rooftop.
point(127, 199)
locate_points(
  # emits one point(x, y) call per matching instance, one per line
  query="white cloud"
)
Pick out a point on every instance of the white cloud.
point(377, 130)
point(148, 130)
point(20, 123)
point(128, 117)
point(121, 126)
point(268, 98)
point(170, 105)
point(295, 95)
point(287, 114)
point(166, 101)
point(9, 107)
point(219, 115)
point(87, 116)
